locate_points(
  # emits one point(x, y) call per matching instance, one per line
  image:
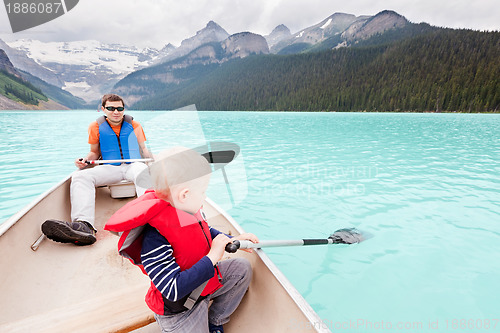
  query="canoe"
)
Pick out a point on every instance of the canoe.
point(67, 288)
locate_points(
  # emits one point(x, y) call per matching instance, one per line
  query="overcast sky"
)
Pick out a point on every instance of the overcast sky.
point(155, 23)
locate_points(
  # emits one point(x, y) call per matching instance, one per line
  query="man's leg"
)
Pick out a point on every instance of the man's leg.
point(80, 230)
point(82, 193)
point(136, 172)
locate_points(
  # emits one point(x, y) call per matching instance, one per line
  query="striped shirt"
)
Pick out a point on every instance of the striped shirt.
point(161, 267)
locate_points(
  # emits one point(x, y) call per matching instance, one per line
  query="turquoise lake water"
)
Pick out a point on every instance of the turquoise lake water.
point(426, 186)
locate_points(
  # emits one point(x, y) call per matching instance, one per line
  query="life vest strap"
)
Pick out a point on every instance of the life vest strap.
point(195, 294)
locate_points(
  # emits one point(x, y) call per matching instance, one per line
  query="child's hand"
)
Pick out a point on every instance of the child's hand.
point(218, 247)
point(247, 236)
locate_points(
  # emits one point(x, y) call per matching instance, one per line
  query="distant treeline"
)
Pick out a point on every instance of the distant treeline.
point(441, 70)
point(18, 89)
point(24, 96)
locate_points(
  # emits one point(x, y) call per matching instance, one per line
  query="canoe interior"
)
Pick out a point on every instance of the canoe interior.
point(66, 288)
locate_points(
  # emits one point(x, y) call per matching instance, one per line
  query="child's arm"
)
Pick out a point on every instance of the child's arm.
point(214, 232)
point(162, 269)
point(246, 236)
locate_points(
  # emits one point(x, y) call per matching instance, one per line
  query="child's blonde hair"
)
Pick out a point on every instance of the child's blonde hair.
point(177, 166)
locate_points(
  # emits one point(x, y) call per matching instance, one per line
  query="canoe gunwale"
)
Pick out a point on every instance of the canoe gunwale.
point(299, 300)
point(7, 224)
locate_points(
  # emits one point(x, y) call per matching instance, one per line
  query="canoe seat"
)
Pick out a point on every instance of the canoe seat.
point(123, 189)
point(113, 312)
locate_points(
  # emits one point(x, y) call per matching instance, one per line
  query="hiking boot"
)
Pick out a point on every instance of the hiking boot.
point(78, 232)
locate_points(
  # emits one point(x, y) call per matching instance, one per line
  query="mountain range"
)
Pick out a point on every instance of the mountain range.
point(76, 74)
point(88, 69)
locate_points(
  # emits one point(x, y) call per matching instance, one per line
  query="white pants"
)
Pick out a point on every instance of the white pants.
point(84, 182)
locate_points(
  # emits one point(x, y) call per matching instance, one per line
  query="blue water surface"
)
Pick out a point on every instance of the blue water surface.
point(425, 186)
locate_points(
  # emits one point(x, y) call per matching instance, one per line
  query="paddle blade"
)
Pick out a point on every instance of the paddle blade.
point(347, 236)
point(223, 156)
point(219, 153)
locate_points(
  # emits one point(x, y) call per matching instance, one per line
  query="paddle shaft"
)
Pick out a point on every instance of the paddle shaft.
point(223, 156)
point(245, 244)
point(131, 160)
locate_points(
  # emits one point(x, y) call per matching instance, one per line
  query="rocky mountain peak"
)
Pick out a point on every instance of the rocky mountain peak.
point(167, 48)
point(338, 22)
point(214, 26)
point(243, 44)
point(390, 13)
point(387, 18)
point(281, 32)
point(212, 30)
point(281, 29)
point(332, 25)
point(379, 23)
point(211, 33)
point(6, 65)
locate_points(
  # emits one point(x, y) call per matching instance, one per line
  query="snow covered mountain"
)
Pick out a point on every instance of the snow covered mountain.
point(212, 33)
point(87, 68)
point(340, 28)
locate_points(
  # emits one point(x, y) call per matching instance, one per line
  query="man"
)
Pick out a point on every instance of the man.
point(113, 136)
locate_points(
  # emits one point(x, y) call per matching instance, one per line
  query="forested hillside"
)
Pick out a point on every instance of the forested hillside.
point(56, 94)
point(441, 70)
point(19, 90)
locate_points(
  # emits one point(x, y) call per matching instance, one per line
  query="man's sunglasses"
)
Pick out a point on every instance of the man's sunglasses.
point(112, 108)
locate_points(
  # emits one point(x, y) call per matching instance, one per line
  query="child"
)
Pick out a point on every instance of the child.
point(166, 235)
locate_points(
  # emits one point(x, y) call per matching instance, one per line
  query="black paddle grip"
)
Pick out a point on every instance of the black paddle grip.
point(233, 247)
point(315, 241)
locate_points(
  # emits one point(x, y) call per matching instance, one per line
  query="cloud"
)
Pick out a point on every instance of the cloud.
point(155, 23)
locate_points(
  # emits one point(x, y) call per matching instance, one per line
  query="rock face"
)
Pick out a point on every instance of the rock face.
point(211, 33)
point(23, 62)
point(327, 28)
point(379, 23)
point(243, 44)
point(239, 45)
point(165, 51)
point(8, 104)
point(6, 65)
point(345, 29)
point(281, 32)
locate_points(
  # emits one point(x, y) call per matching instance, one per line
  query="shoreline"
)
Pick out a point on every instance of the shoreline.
point(280, 111)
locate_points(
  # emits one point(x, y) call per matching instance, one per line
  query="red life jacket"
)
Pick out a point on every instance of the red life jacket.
point(188, 234)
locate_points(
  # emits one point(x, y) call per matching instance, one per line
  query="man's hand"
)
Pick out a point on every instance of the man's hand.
point(81, 163)
point(94, 154)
